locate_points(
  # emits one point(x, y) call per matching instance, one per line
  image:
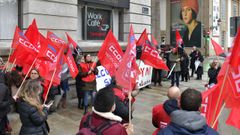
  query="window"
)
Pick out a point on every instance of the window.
point(8, 18)
point(96, 23)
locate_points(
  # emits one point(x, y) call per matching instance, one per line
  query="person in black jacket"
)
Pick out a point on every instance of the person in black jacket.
point(5, 102)
point(213, 72)
point(33, 114)
point(184, 66)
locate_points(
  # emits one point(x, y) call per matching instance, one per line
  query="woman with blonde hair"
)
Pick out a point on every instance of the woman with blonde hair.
point(32, 113)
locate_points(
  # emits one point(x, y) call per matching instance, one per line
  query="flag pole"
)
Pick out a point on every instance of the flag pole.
point(130, 107)
point(171, 70)
point(215, 121)
point(16, 95)
point(220, 94)
point(50, 85)
point(12, 64)
point(6, 65)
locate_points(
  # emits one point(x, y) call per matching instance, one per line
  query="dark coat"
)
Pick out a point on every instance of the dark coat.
point(5, 102)
point(195, 39)
point(194, 56)
point(184, 65)
point(96, 120)
point(212, 74)
point(33, 122)
point(5, 97)
point(200, 67)
point(121, 109)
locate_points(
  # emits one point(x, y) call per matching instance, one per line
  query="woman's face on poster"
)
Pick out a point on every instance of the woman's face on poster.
point(186, 15)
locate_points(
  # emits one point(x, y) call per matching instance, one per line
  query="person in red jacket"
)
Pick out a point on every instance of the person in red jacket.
point(161, 112)
point(104, 105)
point(87, 73)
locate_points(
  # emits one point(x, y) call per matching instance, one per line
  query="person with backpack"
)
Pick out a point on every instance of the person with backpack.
point(102, 121)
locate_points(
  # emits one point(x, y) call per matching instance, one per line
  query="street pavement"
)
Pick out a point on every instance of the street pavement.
point(66, 121)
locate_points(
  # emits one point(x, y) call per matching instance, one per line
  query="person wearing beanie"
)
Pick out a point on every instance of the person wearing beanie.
point(161, 112)
point(104, 105)
point(188, 13)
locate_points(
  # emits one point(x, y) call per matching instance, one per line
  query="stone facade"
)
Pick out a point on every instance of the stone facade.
point(60, 16)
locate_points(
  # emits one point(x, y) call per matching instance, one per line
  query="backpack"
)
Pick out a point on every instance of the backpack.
point(91, 130)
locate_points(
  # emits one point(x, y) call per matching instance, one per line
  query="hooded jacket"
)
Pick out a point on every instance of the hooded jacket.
point(187, 123)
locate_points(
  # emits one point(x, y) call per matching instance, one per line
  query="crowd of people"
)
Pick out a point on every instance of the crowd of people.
point(110, 113)
point(110, 105)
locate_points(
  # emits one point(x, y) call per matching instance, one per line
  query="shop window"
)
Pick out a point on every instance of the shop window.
point(8, 18)
point(96, 23)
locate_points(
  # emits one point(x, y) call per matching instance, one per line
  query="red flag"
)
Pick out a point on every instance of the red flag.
point(235, 55)
point(33, 35)
point(154, 41)
point(49, 58)
point(25, 51)
point(110, 54)
point(179, 41)
point(128, 71)
point(151, 57)
point(142, 39)
point(233, 119)
point(71, 63)
point(229, 82)
point(208, 105)
point(55, 39)
point(71, 42)
point(15, 37)
point(217, 48)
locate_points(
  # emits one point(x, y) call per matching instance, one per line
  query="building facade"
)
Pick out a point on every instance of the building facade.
point(86, 21)
point(214, 16)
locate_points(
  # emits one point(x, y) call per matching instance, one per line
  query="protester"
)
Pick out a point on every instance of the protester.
point(102, 116)
point(213, 72)
point(33, 114)
point(188, 120)
point(196, 56)
point(199, 71)
point(5, 102)
point(193, 59)
point(34, 74)
point(79, 83)
point(87, 71)
point(184, 67)
point(161, 113)
point(174, 59)
point(64, 84)
point(157, 73)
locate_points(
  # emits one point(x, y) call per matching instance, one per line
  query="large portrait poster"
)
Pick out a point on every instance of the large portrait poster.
point(186, 18)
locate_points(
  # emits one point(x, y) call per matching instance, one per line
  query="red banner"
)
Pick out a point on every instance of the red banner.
point(71, 63)
point(217, 48)
point(110, 54)
point(128, 71)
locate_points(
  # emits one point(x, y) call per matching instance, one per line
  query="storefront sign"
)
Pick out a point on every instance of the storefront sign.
point(98, 23)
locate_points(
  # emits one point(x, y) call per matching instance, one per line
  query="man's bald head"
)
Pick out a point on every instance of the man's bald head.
point(174, 93)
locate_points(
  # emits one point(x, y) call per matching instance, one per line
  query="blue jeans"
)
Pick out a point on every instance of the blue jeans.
point(86, 94)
